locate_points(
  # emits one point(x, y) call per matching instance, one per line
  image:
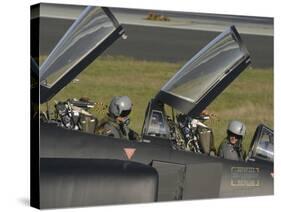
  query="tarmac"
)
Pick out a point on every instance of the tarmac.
point(176, 40)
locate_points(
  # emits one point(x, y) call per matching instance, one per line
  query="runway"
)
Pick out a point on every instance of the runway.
point(177, 45)
point(159, 43)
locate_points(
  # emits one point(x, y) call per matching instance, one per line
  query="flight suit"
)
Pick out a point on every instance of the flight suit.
point(109, 127)
point(229, 151)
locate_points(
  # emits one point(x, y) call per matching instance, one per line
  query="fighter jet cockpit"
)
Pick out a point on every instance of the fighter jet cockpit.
point(262, 146)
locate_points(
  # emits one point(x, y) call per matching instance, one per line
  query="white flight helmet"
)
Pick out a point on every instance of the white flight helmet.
point(237, 128)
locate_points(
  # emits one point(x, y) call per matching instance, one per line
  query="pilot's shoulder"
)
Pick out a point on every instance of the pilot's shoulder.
point(226, 146)
point(108, 126)
point(109, 130)
point(223, 148)
point(223, 144)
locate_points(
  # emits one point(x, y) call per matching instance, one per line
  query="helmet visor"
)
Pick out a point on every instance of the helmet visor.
point(125, 113)
point(231, 134)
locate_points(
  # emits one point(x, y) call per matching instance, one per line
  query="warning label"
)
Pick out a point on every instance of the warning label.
point(245, 176)
point(129, 152)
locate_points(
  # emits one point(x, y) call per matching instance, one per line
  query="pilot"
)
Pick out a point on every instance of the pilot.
point(116, 123)
point(231, 148)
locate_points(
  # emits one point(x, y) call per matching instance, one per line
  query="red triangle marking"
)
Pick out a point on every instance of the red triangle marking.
point(129, 152)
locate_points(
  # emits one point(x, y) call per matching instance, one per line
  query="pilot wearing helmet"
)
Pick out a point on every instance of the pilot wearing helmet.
point(115, 124)
point(231, 148)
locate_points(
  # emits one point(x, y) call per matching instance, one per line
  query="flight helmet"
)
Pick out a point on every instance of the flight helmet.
point(237, 128)
point(120, 106)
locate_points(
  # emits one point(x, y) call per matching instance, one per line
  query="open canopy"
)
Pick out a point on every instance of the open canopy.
point(207, 74)
point(93, 31)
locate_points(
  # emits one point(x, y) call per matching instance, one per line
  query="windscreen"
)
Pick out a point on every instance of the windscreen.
point(265, 149)
point(206, 68)
point(156, 124)
point(87, 32)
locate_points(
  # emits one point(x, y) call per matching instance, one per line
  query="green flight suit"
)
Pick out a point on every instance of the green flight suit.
point(229, 151)
point(109, 127)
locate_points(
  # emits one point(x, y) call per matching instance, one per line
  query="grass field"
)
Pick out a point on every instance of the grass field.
point(249, 98)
